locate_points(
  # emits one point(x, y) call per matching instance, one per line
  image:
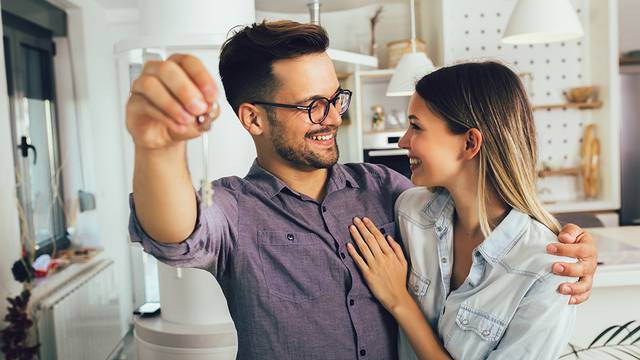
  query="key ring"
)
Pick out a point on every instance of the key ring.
point(211, 115)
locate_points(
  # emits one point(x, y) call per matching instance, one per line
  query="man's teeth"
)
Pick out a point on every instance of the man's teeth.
point(322, 137)
point(414, 161)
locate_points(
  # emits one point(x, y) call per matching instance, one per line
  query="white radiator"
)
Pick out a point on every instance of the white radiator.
point(80, 320)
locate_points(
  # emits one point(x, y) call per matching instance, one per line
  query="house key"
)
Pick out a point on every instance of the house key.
point(206, 188)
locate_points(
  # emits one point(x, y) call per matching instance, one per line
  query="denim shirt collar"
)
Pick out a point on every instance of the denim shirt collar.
point(496, 246)
point(339, 178)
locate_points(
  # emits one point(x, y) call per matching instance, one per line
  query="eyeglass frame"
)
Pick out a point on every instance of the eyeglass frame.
point(309, 107)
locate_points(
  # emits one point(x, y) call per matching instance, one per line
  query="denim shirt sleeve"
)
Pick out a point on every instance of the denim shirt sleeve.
point(541, 326)
point(209, 245)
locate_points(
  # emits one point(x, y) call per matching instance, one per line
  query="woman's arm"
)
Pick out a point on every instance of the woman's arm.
point(384, 268)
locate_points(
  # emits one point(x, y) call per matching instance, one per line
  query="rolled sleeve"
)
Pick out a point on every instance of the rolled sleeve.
point(542, 325)
point(208, 246)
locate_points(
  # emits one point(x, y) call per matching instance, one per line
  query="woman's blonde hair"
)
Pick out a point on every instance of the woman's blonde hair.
point(490, 97)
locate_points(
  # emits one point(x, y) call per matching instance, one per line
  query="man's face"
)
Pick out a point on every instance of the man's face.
point(294, 137)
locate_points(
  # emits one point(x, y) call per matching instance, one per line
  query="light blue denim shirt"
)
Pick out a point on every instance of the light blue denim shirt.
point(508, 306)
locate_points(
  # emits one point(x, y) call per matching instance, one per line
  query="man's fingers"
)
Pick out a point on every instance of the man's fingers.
point(570, 269)
point(357, 258)
point(362, 245)
point(579, 299)
point(576, 251)
point(179, 84)
point(196, 71)
point(570, 233)
point(152, 89)
point(576, 288)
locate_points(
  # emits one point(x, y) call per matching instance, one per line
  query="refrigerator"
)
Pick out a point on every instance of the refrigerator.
point(630, 144)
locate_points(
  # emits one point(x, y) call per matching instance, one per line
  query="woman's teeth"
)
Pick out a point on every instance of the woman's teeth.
point(414, 161)
point(322, 137)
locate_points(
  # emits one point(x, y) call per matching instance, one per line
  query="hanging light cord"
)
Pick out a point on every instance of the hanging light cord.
point(413, 26)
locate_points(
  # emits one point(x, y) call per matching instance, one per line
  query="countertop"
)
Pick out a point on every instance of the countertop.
point(619, 252)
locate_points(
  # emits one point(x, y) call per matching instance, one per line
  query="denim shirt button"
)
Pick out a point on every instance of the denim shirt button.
point(486, 332)
point(444, 260)
point(465, 322)
point(290, 237)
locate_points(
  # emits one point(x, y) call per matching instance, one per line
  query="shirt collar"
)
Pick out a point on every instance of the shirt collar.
point(339, 178)
point(500, 241)
point(504, 237)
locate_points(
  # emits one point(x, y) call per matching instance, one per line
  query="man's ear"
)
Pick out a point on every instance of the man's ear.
point(473, 142)
point(252, 118)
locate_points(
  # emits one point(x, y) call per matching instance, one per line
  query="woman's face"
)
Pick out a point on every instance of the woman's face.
point(435, 153)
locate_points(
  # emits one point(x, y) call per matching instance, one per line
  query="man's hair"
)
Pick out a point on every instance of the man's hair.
point(247, 56)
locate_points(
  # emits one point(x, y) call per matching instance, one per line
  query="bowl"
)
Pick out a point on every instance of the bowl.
point(580, 94)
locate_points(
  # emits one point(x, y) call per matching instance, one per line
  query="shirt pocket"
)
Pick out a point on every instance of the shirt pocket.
point(418, 285)
point(294, 265)
point(474, 334)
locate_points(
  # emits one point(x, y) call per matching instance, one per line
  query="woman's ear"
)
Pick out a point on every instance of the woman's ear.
point(473, 142)
point(252, 118)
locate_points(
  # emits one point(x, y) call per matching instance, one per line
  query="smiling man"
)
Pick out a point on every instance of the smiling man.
point(275, 239)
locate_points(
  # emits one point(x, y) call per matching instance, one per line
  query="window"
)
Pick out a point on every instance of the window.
point(29, 52)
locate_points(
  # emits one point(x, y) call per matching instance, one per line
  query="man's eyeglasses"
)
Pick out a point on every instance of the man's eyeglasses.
point(319, 107)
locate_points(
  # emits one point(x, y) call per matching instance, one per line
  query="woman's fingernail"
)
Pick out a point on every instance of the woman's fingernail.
point(552, 249)
point(565, 289)
point(572, 300)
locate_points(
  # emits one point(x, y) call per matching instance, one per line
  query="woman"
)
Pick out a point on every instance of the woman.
point(474, 228)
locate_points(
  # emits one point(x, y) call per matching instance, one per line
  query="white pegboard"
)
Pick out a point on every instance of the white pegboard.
point(472, 30)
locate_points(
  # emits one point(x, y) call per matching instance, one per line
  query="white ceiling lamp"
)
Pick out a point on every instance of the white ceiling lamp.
point(411, 68)
point(541, 21)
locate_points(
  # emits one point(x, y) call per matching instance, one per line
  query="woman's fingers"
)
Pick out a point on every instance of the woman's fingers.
point(362, 244)
point(397, 249)
point(357, 258)
point(367, 236)
point(373, 229)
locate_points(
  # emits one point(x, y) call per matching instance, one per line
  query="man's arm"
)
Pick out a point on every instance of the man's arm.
point(160, 117)
point(578, 244)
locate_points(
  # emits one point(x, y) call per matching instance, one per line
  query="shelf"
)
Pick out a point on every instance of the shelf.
point(352, 58)
point(580, 106)
point(559, 172)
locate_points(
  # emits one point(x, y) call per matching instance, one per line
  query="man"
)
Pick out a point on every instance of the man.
point(276, 239)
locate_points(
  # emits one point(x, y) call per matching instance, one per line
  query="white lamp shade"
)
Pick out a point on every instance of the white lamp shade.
point(410, 69)
point(540, 21)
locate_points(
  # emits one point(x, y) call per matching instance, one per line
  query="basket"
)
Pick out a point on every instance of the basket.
point(400, 47)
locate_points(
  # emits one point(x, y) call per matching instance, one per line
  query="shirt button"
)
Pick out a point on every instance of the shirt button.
point(486, 332)
point(351, 302)
point(343, 255)
point(465, 322)
point(444, 260)
point(477, 253)
point(290, 237)
point(363, 352)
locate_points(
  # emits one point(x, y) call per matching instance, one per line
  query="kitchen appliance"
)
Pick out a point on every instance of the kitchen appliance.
point(630, 149)
point(382, 148)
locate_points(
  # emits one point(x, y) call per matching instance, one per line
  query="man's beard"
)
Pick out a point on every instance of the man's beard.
point(300, 156)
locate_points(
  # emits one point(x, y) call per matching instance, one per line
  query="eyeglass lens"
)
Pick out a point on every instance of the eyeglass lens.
point(320, 107)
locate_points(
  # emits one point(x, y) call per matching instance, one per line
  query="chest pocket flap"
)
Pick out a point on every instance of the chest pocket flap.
point(484, 325)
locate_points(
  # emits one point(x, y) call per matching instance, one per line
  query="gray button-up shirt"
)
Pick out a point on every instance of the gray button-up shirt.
point(280, 257)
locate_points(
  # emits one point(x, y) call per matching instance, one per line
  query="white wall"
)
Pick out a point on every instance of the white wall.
point(629, 13)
